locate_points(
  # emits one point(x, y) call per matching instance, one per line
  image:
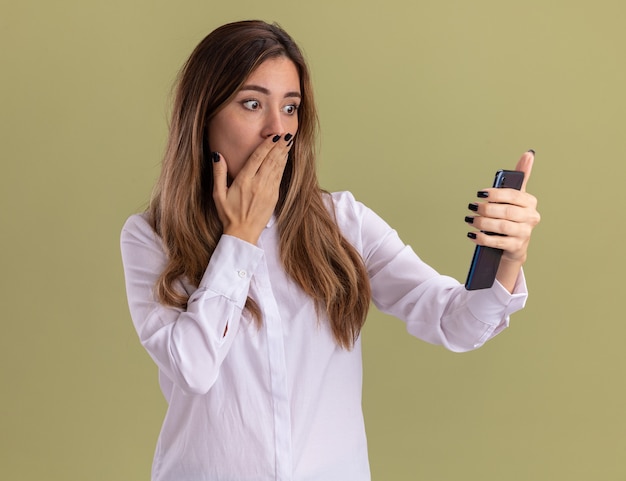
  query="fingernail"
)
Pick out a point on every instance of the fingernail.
point(276, 138)
point(482, 194)
point(288, 137)
point(471, 235)
point(473, 206)
point(531, 151)
point(290, 142)
point(469, 219)
point(216, 156)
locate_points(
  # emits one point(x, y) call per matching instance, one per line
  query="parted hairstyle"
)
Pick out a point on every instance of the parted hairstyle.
point(182, 211)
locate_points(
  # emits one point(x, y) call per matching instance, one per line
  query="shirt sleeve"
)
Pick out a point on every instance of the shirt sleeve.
point(436, 308)
point(188, 345)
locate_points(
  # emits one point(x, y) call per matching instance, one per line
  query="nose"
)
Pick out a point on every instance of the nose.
point(272, 125)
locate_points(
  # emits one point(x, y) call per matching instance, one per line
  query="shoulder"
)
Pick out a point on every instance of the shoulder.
point(343, 203)
point(358, 223)
point(137, 224)
point(341, 197)
point(138, 231)
point(346, 210)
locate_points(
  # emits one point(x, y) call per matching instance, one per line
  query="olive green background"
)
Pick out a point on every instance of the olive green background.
point(420, 102)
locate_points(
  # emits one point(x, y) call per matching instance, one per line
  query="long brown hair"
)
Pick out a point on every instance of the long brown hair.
point(182, 212)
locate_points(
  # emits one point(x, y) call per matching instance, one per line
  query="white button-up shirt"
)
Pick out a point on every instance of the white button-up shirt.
point(283, 402)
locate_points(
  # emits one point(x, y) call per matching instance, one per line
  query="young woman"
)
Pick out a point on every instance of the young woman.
point(248, 285)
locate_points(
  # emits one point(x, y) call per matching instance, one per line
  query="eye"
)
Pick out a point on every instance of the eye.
point(290, 109)
point(251, 104)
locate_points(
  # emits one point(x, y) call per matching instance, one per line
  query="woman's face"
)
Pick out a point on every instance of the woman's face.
point(266, 105)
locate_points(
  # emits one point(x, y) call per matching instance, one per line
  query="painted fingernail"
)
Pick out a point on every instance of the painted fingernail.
point(531, 151)
point(471, 235)
point(288, 137)
point(290, 142)
point(276, 138)
point(473, 206)
point(469, 219)
point(215, 156)
point(482, 194)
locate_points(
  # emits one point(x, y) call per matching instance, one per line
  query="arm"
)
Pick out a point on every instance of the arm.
point(435, 308)
point(438, 309)
point(190, 345)
point(187, 345)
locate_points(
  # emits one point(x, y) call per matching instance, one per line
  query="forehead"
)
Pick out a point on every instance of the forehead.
point(278, 73)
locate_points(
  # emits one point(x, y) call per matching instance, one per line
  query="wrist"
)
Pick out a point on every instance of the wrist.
point(243, 234)
point(508, 272)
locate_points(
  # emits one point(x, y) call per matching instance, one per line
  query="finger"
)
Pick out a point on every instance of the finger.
point(257, 157)
point(500, 226)
point(506, 211)
point(509, 196)
point(220, 170)
point(506, 243)
point(273, 166)
point(525, 164)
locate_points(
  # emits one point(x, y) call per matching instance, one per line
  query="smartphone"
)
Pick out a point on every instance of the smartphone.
point(484, 266)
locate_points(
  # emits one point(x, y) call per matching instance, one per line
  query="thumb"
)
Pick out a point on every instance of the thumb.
point(525, 164)
point(219, 177)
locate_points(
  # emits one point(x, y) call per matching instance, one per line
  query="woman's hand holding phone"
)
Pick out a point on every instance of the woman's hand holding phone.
point(511, 214)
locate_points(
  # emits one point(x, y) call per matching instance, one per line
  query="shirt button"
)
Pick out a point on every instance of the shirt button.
point(242, 273)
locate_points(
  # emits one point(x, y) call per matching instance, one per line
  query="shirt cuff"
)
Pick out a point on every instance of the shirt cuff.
point(231, 268)
point(495, 305)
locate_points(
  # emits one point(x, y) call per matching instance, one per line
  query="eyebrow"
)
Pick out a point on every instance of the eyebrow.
point(263, 90)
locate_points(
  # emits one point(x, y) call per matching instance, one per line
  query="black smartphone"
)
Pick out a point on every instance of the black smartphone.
point(482, 271)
